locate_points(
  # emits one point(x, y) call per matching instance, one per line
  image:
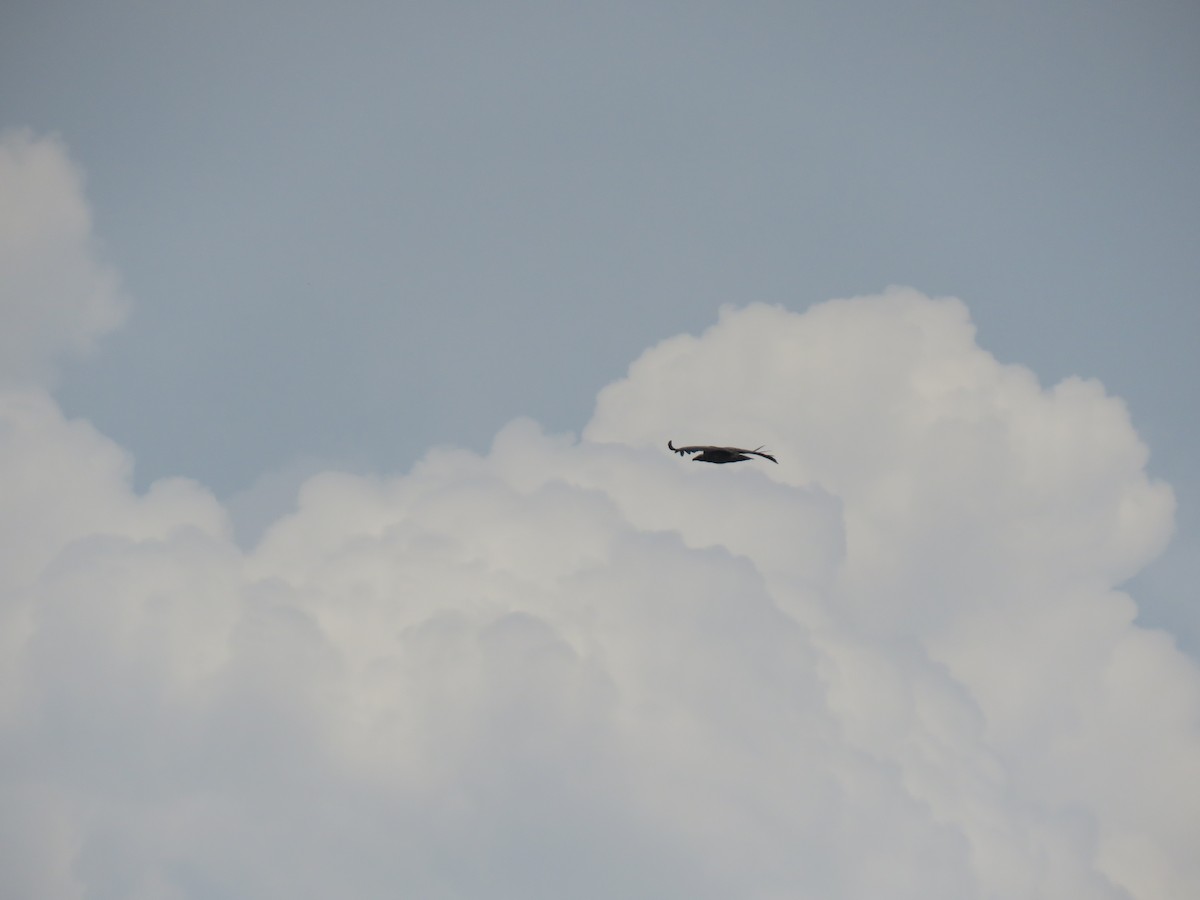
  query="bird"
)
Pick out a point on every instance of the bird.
point(721, 454)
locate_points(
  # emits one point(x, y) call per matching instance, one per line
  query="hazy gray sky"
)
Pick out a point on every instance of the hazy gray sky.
point(340, 235)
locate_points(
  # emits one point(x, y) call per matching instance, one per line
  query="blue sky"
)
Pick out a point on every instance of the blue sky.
point(355, 235)
point(354, 232)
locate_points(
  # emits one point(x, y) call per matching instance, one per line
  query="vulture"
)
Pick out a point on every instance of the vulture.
point(721, 454)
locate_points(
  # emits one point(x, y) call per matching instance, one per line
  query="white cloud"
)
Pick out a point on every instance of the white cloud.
point(56, 294)
point(896, 664)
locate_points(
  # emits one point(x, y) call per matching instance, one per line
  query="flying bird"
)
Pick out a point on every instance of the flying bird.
point(721, 454)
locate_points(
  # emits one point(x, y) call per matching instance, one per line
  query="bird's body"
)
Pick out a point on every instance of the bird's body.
point(720, 454)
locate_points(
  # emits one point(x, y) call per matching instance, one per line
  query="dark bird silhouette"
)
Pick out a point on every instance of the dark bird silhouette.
point(721, 454)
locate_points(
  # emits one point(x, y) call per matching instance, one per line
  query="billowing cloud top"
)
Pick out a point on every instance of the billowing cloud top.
point(56, 293)
point(895, 665)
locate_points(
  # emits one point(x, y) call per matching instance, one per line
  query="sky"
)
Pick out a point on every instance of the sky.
point(342, 550)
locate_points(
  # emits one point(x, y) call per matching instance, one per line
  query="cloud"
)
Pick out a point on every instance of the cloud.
point(57, 294)
point(896, 664)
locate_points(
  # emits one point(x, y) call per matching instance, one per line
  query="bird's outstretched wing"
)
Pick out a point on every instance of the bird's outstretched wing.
point(682, 450)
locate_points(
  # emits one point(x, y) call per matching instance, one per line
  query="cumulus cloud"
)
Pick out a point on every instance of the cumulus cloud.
point(898, 664)
point(56, 292)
